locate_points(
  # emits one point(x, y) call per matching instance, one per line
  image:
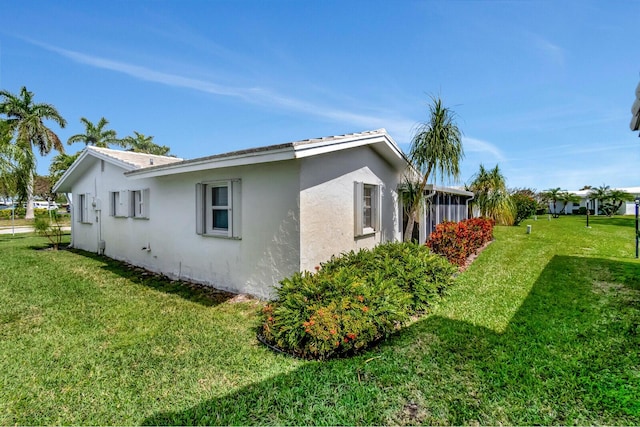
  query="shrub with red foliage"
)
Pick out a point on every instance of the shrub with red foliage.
point(457, 240)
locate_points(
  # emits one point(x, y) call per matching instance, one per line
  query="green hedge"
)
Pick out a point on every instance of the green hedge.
point(353, 300)
point(21, 212)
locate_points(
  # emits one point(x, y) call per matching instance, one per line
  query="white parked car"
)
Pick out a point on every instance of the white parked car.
point(38, 204)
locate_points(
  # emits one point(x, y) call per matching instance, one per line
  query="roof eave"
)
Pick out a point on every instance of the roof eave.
point(62, 184)
point(448, 190)
point(247, 158)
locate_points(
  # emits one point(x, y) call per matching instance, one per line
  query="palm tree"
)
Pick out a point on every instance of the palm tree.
point(25, 121)
point(618, 197)
point(435, 147)
point(95, 135)
point(8, 166)
point(552, 195)
point(411, 200)
point(60, 164)
point(144, 144)
point(600, 193)
point(492, 196)
point(565, 197)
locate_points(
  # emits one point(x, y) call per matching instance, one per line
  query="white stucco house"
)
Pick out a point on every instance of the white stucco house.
point(244, 220)
point(627, 208)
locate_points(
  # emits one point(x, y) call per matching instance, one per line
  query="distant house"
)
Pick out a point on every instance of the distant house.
point(243, 220)
point(627, 208)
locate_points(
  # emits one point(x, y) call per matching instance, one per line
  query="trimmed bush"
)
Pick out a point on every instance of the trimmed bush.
point(354, 300)
point(525, 207)
point(20, 212)
point(456, 241)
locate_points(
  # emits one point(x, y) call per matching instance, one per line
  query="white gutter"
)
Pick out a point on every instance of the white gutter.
point(467, 203)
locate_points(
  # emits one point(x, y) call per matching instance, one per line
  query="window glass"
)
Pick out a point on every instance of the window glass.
point(367, 218)
point(220, 219)
point(220, 196)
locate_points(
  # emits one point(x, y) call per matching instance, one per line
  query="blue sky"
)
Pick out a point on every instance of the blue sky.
point(542, 88)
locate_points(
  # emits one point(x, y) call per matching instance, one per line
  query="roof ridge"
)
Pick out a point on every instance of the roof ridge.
point(346, 135)
point(127, 157)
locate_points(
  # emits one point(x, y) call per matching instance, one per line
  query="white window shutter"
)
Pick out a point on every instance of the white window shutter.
point(200, 200)
point(123, 204)
point(146, 198)
point(88, 200)
point(80, 205)
point(235, 201)
point(358, 199)
point(112, 204)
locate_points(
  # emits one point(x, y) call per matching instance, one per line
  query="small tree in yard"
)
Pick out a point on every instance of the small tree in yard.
point(525, 206)
point(49, 226)
point(492, 197)
point(436, 147)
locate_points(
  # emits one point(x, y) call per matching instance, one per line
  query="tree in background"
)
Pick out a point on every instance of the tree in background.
point(565, 197)
point(141, 143)
point(25, 120)
point(95, 135)
point(552, 195)
point(524, 202)
point(611, 200)
point(600, 194)
point(60, 164)
point(492, 196)
point(8, 164)
point(618, 197)
point(436, 147)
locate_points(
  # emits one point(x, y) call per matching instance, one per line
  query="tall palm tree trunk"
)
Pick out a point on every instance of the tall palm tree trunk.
point(415, 209)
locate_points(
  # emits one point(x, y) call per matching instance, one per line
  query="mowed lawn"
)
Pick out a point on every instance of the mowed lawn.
point(541, 329)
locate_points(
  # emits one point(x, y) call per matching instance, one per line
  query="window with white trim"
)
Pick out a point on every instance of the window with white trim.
point(139, 203)
point(119, 204)
point(84, 200)
point(367, 208)
point(218, 208)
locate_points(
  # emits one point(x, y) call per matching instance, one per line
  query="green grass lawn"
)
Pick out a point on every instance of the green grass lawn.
point(541, 329)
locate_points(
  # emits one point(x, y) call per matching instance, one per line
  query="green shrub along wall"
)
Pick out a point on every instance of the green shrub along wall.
point(457, 240)
point(353, 300)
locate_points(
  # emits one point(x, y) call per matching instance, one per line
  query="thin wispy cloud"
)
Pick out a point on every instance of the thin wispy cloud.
point(254, 95)
point(548, 49)
point(474, 145)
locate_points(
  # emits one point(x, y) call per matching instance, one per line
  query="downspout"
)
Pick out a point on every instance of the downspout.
point(473, 196)
point(72, 210)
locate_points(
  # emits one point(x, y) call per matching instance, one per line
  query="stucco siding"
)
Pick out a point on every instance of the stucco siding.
point(119, 234)
point(266, 251)
point(327, 208)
